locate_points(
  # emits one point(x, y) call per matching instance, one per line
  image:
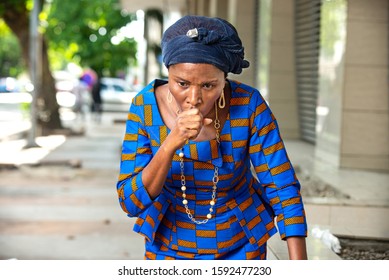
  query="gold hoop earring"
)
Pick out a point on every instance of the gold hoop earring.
point(222, 101)
point(169, 96)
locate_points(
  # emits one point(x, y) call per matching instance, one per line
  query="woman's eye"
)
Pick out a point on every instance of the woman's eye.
point(182, 84)
point(207, 86)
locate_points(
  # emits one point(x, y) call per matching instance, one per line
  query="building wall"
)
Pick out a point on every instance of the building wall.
point(365, 113)
point(331, 80)
point(245, 24)
point(281, 94)
point(354, 92)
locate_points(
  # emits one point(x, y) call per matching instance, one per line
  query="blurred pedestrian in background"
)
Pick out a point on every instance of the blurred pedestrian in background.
point(81, 93)
point(97, 106)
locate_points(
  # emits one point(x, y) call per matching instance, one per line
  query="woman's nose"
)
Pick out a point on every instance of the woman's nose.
point(195, 97)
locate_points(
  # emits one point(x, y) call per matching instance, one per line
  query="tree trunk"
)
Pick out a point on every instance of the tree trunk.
point(17, 18)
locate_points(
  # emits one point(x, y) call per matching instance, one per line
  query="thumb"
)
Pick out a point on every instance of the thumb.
point(207, 121)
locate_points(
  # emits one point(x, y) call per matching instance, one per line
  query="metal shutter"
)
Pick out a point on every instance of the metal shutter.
point(307, 46)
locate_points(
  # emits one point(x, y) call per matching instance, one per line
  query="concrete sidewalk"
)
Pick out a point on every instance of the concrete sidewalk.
point(56, 210)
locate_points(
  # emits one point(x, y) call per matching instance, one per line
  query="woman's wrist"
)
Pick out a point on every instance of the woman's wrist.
point(297, 248)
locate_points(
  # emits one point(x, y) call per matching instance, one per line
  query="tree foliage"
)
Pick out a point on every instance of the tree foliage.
point(10, 62)
point(16, 14)
point(84, 31)
point(88, 32)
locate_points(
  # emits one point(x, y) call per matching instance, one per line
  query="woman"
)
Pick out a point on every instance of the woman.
point(190, 147)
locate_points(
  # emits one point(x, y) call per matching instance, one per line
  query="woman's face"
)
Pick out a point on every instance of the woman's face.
point(196, 85)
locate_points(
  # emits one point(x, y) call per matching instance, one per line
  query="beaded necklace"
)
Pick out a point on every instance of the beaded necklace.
point(215, 179)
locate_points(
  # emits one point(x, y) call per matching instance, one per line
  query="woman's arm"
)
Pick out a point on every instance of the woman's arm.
point(187, 126)
point(154, 174)
point(297, 248)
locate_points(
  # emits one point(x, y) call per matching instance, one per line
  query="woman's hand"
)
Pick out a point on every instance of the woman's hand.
point(188, 126)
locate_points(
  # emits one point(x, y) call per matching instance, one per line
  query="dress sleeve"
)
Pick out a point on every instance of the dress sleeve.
point(136, 154)
point(278, 182)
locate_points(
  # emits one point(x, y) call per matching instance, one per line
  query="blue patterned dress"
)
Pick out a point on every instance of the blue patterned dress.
point(246, 202)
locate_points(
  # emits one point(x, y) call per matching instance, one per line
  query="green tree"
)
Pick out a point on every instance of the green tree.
point(89, 32)
point(16, 13)
point(10, 62)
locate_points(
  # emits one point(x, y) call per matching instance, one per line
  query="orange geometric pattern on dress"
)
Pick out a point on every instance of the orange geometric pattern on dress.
point(150, 221)
point(237, 237)
point(274, 200)
point(203, 165)
point(222, 226)
point(120, 192)
point(193, 151)
point(158, 206)
point(263, 239)
point(254, 222)
point(214, 149)
point(136, 201)
point(225, 244)
point(260, 109)
point(162, 238)
point(240, 101)
point(291, 201)
point(252, 255)
point(239, 123)
point(142, 132)
point(139, 222)
point(133, 117)
point(206, 233)
point(154, 143)
point(221, 209)
point(294, 220)
point(186, 243)
point(186, 255)
point(208, 251)
point(239, 144)
point(130, 137)
point(273, 148)
point(123, 205)
point(128, 156)
point(225, 138)
point(281, 168)
point(228, 158)
point(186, 225)
point(270, 225)
point(143, 150)
point(266, 129)
point(125, 176)
point(163, 133)
point(138, 100)
point(200, 183)
point(134, 186)
point(255, 148)
point(137, 170)
point(261, 168)
point(167, 223)
point(148, 115)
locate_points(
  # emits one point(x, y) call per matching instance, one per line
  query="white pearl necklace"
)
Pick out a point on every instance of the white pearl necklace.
point(215, 180)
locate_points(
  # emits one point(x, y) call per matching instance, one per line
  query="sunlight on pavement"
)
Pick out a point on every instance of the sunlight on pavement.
point(13, 152)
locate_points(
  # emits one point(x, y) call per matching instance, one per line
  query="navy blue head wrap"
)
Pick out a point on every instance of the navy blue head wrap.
point(198, 39)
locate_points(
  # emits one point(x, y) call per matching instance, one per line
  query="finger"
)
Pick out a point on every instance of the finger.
point(207, 121)
point(190, 112)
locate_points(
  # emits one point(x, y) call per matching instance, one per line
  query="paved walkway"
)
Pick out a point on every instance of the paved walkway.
point(65, 206)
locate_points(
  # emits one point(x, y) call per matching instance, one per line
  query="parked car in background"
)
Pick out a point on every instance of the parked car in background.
point(116, 94)
point(9, 84)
